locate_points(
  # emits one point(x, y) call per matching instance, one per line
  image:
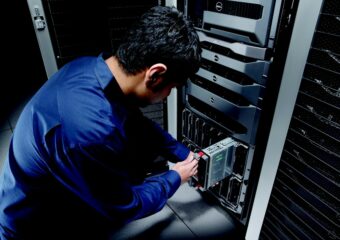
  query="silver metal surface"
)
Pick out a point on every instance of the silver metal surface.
point(258, 27)
point(172, 113)
point(255, 70)
point(171, 3)
point(244, 114)
point(43, 36)
point(250, 92)
point(172, 98)
point(236, 47)
point(274, 23)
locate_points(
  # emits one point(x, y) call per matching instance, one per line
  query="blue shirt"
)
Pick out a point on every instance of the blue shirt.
point(78, 157)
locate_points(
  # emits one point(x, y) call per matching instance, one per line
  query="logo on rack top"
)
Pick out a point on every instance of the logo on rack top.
point(219, 6)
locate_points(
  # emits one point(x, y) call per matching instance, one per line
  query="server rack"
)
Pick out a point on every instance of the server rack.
point(303, 200)
point(304, 203)
point(69, 29)
point(248, 43)
point(229, 94)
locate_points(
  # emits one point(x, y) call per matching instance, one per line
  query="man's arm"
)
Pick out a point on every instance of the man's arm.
point(99, 176)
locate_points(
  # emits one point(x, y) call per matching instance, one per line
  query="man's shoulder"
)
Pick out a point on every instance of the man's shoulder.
point(87, 121)
point(82, 59)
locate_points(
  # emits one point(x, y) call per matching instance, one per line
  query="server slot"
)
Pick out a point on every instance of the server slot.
point(240, 160)
point(234, 191)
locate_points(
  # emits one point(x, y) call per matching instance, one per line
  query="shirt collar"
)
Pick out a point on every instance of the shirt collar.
point(102, 71)
point(108, 82)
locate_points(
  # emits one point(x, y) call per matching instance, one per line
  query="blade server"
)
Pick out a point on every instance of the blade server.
point(224, 100)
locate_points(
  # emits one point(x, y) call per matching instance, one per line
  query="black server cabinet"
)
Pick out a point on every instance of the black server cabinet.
point(233, 93)
point(304, 202)
point(79, 28)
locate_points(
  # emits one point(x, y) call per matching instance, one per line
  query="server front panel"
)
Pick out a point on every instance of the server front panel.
point(225, 98)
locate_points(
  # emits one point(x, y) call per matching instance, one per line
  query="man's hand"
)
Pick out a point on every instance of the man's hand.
point(186, 168)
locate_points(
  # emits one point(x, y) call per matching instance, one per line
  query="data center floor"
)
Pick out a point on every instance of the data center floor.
point(189, 214)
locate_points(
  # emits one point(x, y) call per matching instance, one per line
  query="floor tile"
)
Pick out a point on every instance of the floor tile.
point(5, 138)
point(164, 225)
point(205, 217)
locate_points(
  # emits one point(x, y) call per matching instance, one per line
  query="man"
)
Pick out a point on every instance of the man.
point(77, 160)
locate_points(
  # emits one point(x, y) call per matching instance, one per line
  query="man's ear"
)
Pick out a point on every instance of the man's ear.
point(155, 75)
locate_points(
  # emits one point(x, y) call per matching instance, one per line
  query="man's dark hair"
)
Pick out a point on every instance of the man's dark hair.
point(162, 35)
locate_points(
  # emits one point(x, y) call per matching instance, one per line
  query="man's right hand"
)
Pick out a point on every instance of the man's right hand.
point(186, 169)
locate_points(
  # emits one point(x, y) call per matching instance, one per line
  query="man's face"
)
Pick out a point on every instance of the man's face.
point(157, 84)
point(153, 96)
point(161, 94)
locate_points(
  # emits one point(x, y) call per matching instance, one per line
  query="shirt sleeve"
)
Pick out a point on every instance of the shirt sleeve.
point(98, 174)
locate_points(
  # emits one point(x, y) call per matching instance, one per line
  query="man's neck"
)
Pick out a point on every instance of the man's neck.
point(128, 83)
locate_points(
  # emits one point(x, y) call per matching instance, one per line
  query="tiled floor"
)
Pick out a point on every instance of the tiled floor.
point(187, 215)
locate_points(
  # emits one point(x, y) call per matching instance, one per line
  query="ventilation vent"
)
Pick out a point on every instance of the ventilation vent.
point(240, 9)
point(76, 28)
point(81, 28)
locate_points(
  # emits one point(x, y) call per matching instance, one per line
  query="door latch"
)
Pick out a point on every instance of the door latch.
point(38, 19)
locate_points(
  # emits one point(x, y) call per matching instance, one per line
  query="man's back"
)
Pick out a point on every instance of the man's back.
point(37, 181)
